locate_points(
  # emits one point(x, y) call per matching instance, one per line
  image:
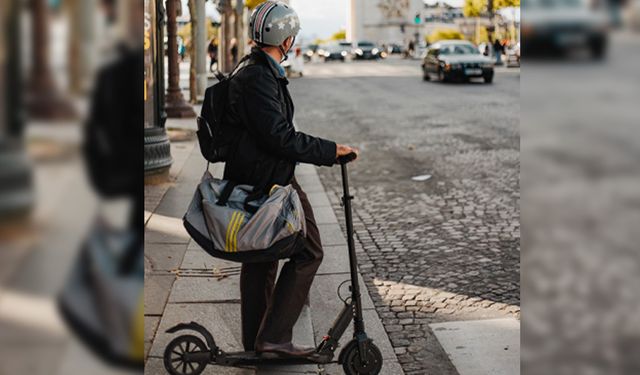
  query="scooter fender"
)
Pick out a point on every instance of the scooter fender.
point(193, 326)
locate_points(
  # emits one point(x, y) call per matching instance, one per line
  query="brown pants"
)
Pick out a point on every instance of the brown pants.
point(269, 309)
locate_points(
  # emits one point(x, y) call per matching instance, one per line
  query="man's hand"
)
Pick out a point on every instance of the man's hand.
point(342, 150)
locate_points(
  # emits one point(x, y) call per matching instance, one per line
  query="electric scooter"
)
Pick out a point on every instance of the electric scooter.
point(189, 355)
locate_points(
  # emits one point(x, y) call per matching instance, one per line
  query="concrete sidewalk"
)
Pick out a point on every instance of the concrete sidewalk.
point(183, 283)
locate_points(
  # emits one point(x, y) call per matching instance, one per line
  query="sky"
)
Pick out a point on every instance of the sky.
point(320, 19)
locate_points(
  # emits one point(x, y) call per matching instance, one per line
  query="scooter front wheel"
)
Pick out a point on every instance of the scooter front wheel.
point(174, 355)
point(352, 364)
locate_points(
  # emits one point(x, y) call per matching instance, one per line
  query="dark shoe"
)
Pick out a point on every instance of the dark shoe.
point(283, 350)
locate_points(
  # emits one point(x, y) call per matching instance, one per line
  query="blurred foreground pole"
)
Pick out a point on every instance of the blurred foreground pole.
point(226, 31)
point(82, 41)
point(44, 99)
point(16, 192)
point(200, 47)
point(240, 30)
point(176, 105)
point(157, 150)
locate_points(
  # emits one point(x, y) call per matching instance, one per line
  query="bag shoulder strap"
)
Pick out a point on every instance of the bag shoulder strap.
point(226, 193)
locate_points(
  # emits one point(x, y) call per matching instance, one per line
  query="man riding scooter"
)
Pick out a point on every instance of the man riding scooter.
point(265, 154)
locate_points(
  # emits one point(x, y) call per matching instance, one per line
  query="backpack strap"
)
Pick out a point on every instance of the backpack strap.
point(221, 77)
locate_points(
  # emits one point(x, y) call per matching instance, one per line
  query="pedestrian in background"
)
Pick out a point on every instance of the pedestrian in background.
point(410, 49)
point(212, 50)
point(498, 49)
point(234, 51)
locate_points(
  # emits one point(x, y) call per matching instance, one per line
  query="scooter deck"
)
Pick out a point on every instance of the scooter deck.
point(253, 358)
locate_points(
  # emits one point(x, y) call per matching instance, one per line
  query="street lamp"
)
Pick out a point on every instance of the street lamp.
point(16, 184)
point(44, 99)
point(176, 105)
point(157, 149)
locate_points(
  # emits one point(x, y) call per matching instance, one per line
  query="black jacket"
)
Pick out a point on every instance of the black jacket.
point(261, 111)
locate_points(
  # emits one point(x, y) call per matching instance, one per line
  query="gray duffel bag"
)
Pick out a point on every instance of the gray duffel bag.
point(232, 222)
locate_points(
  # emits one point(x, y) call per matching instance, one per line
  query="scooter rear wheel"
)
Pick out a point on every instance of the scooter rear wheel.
point(174, 361)
point(352, 364)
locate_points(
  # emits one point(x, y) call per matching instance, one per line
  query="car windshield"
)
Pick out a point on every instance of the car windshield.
point(458, 49)
point(331, 47)
point(365, 44)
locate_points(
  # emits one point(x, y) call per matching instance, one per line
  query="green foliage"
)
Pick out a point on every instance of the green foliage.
point(185, 32)
point(475, 8)
point(339, 35)
point(444, 34)
point(253, 3)
point(482, 36)
point(498, 4)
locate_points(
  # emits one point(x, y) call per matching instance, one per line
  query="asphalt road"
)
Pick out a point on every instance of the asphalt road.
point(444, 248)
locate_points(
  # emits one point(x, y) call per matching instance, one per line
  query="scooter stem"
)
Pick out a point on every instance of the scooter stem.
point(353, 262)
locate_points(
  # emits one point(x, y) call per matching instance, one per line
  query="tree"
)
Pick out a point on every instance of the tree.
point(339, 35)
point(444, 34)
point(499, 4)
point(253, 3)
point(475, 8)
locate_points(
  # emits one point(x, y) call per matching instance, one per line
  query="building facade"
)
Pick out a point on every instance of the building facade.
point(385, 21)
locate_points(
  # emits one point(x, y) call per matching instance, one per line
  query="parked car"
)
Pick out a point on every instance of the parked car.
point(394, 49)
point(366, 51)
point(309, 52)
point(562, 26)
point(332, 51)
point(456, 60)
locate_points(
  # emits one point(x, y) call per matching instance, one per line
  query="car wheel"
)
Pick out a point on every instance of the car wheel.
point(597, 50)
point(441, 76)
point(488, 78)
point(425, 75)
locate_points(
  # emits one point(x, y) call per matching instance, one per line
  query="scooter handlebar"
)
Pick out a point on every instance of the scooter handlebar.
point(348, 158)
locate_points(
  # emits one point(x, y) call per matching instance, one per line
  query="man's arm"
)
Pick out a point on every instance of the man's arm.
point(262, 114)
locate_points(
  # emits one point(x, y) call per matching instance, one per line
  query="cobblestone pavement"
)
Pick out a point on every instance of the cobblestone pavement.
point(446, 248)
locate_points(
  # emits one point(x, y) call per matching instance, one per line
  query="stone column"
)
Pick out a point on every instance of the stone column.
point(241, 31)
point(157, 150)
point(16, 183)
point(200, 48)
point(44, 99)
point(82, 41)
point(176, 105)
point(226, 32)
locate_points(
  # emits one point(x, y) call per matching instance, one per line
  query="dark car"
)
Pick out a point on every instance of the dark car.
point(366, 51)
point(561, 27)
point(309, 51)
point(394, 49)
point(332, 51)
point(456, 60)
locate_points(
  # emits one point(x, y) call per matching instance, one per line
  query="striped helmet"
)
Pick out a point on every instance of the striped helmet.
point(272, 22)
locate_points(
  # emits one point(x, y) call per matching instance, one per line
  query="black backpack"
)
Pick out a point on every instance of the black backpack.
point(216, 139)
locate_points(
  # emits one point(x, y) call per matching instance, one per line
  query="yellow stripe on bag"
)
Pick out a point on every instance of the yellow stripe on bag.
point(234, 235)
point(137, 331)
point(228, 245)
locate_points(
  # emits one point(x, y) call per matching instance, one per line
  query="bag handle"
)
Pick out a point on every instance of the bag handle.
point(228, 189)
point(226, 193)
